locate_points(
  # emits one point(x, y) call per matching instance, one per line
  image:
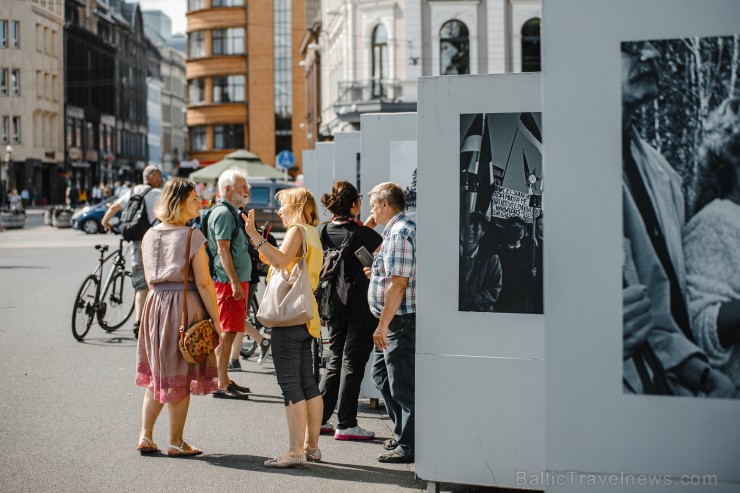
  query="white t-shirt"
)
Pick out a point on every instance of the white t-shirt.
point(150, 199)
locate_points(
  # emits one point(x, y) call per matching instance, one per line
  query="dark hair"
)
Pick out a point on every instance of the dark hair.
point(340, 199)
point(719, 155)
point(479, 218)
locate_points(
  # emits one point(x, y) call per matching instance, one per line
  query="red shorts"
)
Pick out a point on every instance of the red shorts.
point(233, 313)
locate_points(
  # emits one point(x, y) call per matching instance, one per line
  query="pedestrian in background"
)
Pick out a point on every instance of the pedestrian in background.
point(351, 326)
point(160, 367)
point(291, 346)
point(152, 178)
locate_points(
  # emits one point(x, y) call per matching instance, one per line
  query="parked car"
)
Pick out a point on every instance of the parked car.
point(88, 218)
point(264, 203)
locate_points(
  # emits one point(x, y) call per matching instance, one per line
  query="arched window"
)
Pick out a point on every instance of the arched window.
point(454, 48)
point(531, 46)
point(379, 60)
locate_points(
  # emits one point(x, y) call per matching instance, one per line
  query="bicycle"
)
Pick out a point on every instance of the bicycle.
point(248, 345)
point(110, 304)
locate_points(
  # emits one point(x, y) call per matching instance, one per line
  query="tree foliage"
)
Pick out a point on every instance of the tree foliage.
point(697, 75)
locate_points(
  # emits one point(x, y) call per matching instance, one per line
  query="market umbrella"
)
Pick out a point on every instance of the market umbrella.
point(242, 159)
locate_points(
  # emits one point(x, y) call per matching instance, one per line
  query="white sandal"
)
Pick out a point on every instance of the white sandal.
point(151, 447)
point(181, 452)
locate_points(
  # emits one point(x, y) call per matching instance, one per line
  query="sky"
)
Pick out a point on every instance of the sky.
point(175, 10)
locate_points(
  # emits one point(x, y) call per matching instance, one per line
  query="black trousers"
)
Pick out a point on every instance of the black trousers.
point(350, 346)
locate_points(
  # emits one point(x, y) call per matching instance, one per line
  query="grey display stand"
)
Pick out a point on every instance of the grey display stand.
point(324, 175)
point(309, 170)
point(614, 440)
point(378, 131)
point(480, 395)
point(347, 161)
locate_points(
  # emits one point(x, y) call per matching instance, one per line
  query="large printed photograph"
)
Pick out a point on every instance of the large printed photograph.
point(681, 210)
point(501, 218)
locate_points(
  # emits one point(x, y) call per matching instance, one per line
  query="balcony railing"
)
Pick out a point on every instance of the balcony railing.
point(359, 91)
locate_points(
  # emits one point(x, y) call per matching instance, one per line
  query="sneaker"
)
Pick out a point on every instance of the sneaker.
point(327, 428)
point(264, 350)
point(355, 433)
point(390, 444)
point(395, 457)
point(234, 365)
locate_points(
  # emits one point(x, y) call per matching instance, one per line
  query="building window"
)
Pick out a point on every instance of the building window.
point(15, 35)
point(283, 75)
point(5, 131)
point(196, 44)
point(3, 81)
point(228, 41)
point(54, 87)
point(39, 84)
point(379, 58)
point(16, 130)
point(69, 132)
point(196, 4)
point(227, 3)
point(15, 82)
point(3, 34)
point(39, 37)
point(228, 89)
point(198, 138)
point(454, 48)
point(531, 46)
point(196, 91)
point(228, 136)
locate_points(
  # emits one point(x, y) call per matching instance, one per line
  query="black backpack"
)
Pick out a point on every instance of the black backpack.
point(332, 293)
point(134, 219)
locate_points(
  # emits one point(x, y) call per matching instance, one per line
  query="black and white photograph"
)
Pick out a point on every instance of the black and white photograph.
point(501, 217)
point(681, 209)
point(403, 171)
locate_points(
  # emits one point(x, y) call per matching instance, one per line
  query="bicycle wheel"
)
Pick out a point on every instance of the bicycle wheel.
point(83, 313)
point(118, 301)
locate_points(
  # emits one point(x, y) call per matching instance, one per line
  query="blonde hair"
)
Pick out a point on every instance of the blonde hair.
point(169, 208)
point(301, 203)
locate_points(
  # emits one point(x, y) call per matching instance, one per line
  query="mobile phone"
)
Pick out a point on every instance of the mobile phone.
point(365, 258)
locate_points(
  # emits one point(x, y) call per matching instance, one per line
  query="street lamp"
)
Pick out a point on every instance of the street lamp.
point(4, 172)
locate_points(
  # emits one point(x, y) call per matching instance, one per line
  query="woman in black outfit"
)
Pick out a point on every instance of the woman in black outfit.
point(351, 328)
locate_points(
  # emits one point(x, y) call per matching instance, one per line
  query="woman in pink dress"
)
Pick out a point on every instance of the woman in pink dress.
point(159, 365)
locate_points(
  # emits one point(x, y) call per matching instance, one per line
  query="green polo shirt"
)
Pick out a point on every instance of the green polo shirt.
point(221, 225)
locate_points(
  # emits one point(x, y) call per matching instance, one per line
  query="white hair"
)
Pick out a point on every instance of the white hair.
point(228, 178)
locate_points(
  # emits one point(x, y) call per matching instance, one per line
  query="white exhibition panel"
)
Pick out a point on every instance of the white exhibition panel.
point(592, 427)
point(346, 155)
point(324, 175)
point(479, 420)
point(491, 364)
point(378, 131)
point(309, 170)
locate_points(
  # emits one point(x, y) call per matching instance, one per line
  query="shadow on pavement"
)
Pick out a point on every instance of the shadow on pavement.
point(324, 469)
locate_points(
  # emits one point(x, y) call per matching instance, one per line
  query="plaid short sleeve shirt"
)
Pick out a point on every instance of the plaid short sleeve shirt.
point(397, 257)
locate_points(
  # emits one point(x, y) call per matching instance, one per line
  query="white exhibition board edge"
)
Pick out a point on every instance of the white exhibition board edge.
point(324, 176)
point(494, 361)
point(309, 170)
point(378, 131)
point(591, 426)
point(346, 148)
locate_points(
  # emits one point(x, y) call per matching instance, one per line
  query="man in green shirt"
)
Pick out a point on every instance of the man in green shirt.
point(233, 270)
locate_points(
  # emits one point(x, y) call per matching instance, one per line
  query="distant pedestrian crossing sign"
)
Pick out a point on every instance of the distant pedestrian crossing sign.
point(284, 160)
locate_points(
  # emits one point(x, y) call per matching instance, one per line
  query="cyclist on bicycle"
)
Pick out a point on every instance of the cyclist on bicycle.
point(152, 178)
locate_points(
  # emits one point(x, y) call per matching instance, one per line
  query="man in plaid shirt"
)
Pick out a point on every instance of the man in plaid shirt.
point(392, 299)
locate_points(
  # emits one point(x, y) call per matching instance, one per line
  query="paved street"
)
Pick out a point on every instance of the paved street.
point(70, 411)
